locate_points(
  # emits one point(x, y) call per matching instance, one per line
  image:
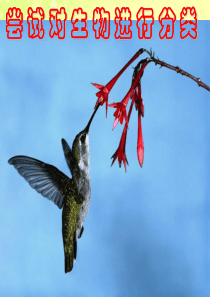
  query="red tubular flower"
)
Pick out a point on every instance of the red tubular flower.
point(139, 104)
point(140, 107)
point(120, 113)
point(140, 143)
point(104, 90)
point(102, 95)
point(120, 152)
point(135, 94)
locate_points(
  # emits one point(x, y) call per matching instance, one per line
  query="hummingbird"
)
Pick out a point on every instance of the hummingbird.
point(71, 194)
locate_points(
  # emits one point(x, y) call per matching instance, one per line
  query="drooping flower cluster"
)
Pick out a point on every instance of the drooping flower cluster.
point(134, 94)
point(120, 114)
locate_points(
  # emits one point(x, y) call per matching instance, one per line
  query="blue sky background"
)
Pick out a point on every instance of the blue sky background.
point(147, 230)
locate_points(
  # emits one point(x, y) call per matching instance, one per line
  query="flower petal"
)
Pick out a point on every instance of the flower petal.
point(116, 121)
point(125, 160)
point(106, 106)
point(120, 113)
point(113, 105)
point(142, 108)
point(114, 157)
point(140, 143)
point(99, 101)
point(98, 86)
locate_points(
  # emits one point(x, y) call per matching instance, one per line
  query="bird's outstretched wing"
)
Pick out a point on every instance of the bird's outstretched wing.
point(44, 178)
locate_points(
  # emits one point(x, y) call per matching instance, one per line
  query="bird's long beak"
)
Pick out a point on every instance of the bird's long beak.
point(88, 125)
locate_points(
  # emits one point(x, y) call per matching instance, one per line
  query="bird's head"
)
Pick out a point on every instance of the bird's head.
point(80, 147)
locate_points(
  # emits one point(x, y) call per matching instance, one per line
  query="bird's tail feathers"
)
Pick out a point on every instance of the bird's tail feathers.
point(69, 263)
point(70, 258)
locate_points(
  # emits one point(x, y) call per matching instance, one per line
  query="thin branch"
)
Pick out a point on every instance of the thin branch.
point(177, 69)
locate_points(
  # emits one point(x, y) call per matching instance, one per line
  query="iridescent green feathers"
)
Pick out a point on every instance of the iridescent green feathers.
point(59, 188)
point(71, 209)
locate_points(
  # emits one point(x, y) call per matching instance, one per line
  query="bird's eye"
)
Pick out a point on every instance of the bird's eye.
point(83, 138)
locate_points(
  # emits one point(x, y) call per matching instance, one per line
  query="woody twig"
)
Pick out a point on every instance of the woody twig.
point(177, 69)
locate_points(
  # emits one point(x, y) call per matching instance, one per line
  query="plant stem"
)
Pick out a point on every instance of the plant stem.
point(177, 69)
